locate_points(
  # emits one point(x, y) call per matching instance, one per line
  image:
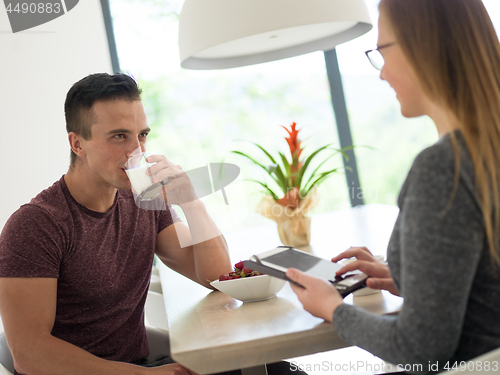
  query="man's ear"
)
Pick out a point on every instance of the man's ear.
point(76, 144)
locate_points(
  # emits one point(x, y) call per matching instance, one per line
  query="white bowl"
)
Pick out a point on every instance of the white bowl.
point(250, 289)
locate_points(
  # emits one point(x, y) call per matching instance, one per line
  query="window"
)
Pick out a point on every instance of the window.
point(250, 103)
point(376, 119)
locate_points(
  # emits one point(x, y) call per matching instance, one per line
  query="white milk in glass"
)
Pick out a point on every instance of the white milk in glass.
point(139, 179)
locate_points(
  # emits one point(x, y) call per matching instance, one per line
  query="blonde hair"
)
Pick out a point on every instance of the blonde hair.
point(455, 53)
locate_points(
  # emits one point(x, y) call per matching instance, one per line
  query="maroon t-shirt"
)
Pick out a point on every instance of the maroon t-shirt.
point(102, 262)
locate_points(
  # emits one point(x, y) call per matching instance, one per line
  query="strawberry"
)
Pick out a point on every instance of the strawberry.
point(239, 272)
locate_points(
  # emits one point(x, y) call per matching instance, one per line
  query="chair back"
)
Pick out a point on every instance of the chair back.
point(159, 342)
point(5, 357)
point(156, 314)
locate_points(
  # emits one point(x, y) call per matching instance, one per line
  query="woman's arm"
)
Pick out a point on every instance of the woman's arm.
point(438, 252)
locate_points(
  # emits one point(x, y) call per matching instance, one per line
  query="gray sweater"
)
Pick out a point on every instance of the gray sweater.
point(441, 266)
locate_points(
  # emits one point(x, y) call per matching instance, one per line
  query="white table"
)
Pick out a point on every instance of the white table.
point(212, 332)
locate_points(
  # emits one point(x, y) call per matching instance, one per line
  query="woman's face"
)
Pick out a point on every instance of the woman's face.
point(398, 73)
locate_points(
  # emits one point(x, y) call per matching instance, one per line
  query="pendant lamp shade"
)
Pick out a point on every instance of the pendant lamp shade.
point(218, 34)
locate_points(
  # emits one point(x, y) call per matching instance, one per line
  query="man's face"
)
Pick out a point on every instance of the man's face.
point(121, 128)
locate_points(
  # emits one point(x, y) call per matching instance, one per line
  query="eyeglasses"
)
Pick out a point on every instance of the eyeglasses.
point(376, 58)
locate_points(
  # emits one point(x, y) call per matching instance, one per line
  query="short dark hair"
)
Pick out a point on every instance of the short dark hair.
point(89, 90)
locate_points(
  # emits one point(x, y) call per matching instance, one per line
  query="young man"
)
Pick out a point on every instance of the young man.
point(75, 262)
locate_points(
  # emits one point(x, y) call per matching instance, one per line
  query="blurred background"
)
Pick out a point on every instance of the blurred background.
point(251, 103)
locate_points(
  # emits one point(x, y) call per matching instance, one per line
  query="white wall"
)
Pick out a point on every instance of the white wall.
point(37, 68)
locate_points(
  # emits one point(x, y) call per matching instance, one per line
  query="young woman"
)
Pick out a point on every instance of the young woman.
point(442, 57)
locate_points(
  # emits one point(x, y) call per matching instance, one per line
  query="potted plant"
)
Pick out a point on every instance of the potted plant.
point(293, 193)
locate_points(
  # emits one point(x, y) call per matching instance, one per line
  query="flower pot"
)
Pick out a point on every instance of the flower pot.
point(296, 231)
point(294, 226)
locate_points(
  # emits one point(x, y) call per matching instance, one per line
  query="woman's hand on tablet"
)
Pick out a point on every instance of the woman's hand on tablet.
point(380, 275)
point(318, 296)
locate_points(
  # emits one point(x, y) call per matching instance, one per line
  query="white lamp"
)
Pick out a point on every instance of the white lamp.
point(218, 34)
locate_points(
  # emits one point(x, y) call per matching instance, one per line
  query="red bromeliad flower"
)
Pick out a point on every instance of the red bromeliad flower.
point(290, 176)
point(295, 151)
point(293, 140)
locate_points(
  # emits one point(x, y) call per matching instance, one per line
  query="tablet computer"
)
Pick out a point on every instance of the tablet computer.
point(275, 263)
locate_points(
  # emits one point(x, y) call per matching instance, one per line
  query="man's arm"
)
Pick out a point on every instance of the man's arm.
point(200, 251)
point(202, 260)
point(28, 310)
